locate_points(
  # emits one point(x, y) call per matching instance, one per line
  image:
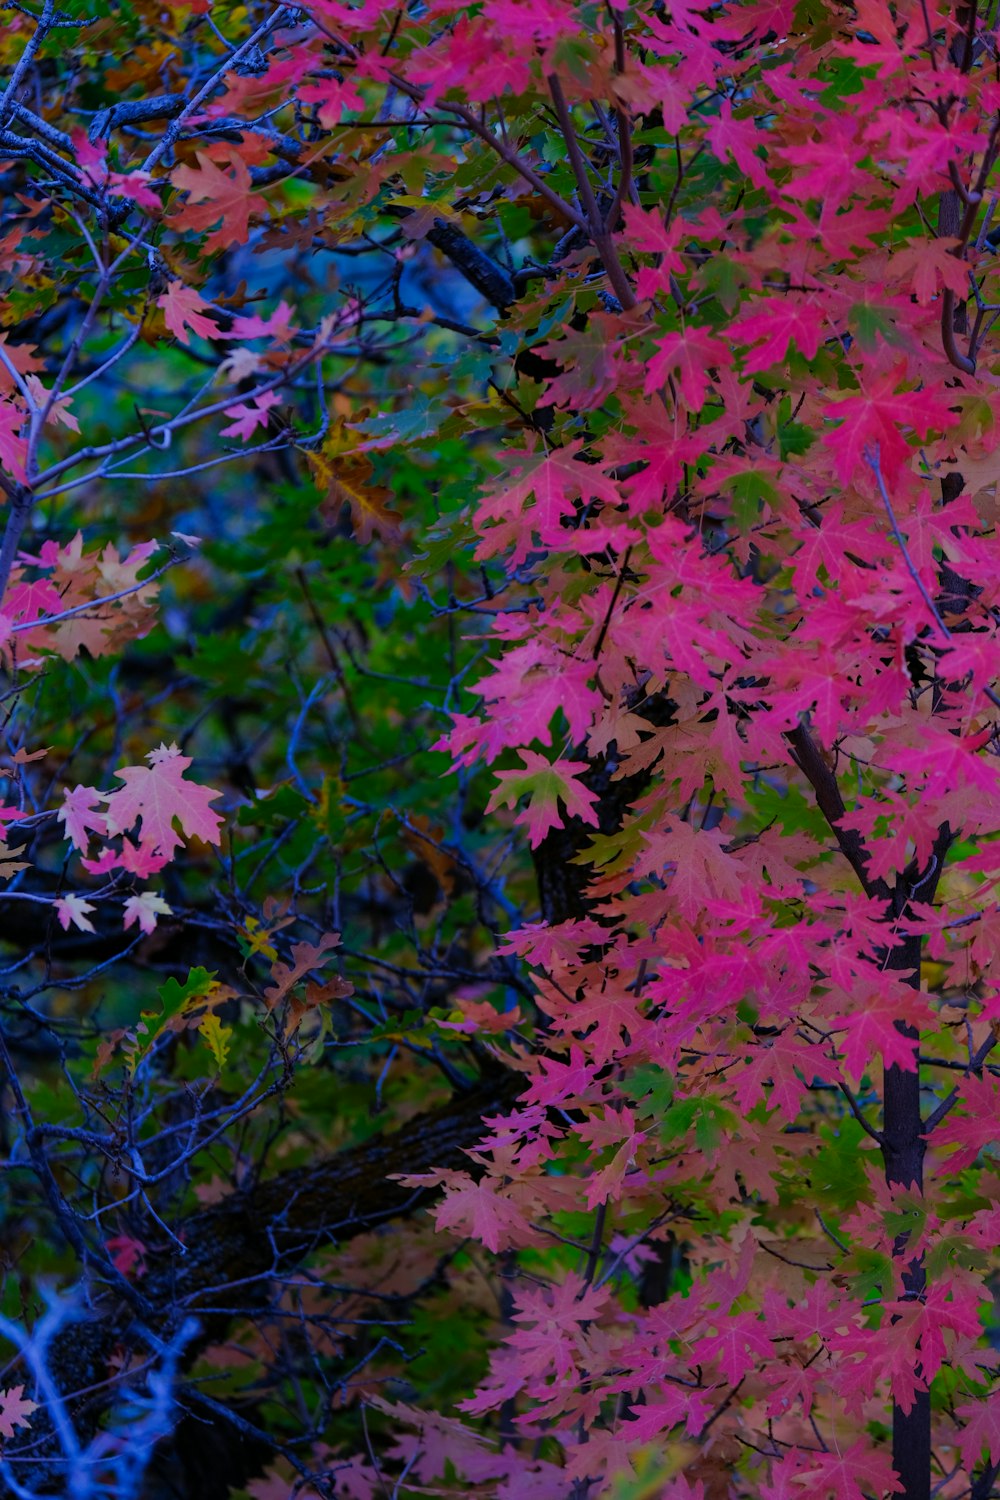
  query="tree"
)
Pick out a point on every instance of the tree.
point(498, 606)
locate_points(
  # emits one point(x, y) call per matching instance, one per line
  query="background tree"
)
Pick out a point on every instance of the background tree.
point(603, 395)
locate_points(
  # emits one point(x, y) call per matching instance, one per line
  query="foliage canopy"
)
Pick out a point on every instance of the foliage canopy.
point(498, 625)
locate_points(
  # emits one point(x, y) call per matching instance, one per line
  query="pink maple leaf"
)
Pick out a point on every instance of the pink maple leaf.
point(184, 308)
point(252, 326)
point(127, 1254)
point(853, 1475)
point(158, 795)
point(545, 785)
point(15, 1410)
point(875, 418)
point(687, 354)
point(737, 1345)
point(870, 1026)
point(78, 817)
point(13, 447)
point(931, 262)
point(981, 1430)
point(673, 1404)
point(779, 321)
point(556, 481)
point(250, 417)
point(978, 1124)
point(476, 1209)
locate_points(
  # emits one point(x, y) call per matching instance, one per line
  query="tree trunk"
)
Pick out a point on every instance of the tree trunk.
point(903, 1148)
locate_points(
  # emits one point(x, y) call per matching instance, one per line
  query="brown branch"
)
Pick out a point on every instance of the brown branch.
point(626, 153)
point(810, 762)
point(599, 231)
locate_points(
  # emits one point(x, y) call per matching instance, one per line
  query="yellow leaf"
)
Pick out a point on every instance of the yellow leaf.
point(259, 939)
point(217, 1036)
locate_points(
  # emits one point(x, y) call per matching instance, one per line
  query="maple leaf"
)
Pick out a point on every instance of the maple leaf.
point(15, 1410)
point(870, 1026)
point(833, 171)
point(333, 98)
point(873, 419)
point(475, 1208)
point(250, 417)
point(73, 910)
point(703, 872)
point(58, 409)
point(932, 263)
point(556, 481)
point(689, 354)
point(10, 865)
point(738, 1344)
point(607, 1014)
point(123, 572)
point(590, 366)
point(13, 446)
point(145, 909)
point(648, 232)
point(975, 1127)
point(789, 1067)
point(669, 1405)
point(23, 358)
point(545, 785)
point(140, 859)
point(218, 198)
point(241, 364)
point(157, 796)
point(278, 326)
point(609, 1182)
point(184, 308)
point(947, 761)
point(842, 1475)
point(78, 817)
point(526, 690)
point(779, 321)
point(981, 1430)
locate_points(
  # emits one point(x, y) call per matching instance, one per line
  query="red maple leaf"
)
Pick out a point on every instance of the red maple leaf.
point(875, 419)
point(183, 309)
point(779, 321)
point(738, 1344)
point(976, 1126)
point(13, 447)
point(688, 355)
point(981, 1430)
point(218, 198)
point(853, 1475)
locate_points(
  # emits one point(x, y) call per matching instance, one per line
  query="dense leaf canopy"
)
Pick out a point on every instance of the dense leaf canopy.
point(499, 592)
